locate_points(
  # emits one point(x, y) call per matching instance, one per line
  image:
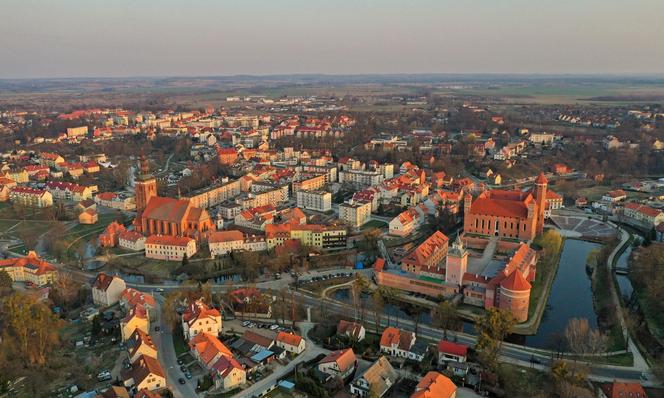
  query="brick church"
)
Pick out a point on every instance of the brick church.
point(166, 216)
point(507, 214)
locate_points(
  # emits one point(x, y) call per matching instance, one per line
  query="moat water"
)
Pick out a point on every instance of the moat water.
point(570, 297)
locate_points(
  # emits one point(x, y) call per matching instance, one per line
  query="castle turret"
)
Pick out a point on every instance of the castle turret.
point(457, 263)
point(540, 200)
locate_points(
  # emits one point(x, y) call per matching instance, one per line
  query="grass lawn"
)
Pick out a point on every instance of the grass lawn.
point(318, 287)
point(375, 224)
point(545, 268)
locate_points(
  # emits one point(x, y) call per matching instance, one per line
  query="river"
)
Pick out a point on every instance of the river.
point(570, 297)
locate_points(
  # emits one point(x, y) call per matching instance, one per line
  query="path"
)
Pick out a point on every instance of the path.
point(478, 265)
point(639, 360)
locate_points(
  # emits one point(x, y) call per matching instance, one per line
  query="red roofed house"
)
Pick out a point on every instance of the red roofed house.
point(88, 217)
point(435, 385)
point(109, 238)
point(228, 373)
point(207, 349)
point(107, 289)
point(227, 155)
point(290, 342)
point(449, 351)
point(29, 269)
point(352, 330)
point(509, 214)
point(173, 217)
point(397, 343)
point(169, 248)
point(131, 298)
point(136, 318)
point(145, 372)
point(199, 318)
point(643, 215)
point(622, 390)
point(131, 240)
point(339, 363)
point(140, 343)
point(145, 393)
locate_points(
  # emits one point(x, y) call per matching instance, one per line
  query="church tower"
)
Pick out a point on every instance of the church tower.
point(540, 198)
point(457, 263)
point(145, 186)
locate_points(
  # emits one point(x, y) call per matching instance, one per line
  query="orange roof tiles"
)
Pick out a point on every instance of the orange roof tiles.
point(434, 385)
point(289, 338)
point(437, 241)
point(515, 282)
point(209, 347)
point(624, 390)
point(541, 179)
point(167, 240)
point(31, 262)
point(225, 236)
point(345, 359)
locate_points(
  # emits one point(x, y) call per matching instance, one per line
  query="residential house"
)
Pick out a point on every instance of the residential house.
point(435, 385)
point(114, 392)
point(290, 342)
point(109, 238)
point(376, 381)
point(199, 318)
point(140, 343)
point(399, 343)
point(339, 363)
point(131, 298)
point(136, 318)
point(145, 372)
point(353, 330)
point(131, 240)
point(449, 351)
point(642, 215)
point(88, 217)
point(107, 289)
point(622, 390)
point(614, 196)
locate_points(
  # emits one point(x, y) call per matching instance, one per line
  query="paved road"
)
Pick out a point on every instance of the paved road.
point(168, 358)
point(510, 352)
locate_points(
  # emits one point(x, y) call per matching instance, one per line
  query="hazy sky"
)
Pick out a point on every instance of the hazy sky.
point(80, 38)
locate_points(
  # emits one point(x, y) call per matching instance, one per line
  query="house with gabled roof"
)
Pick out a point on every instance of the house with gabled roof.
point(397, 343)
point(340, 363)
point(107, 289)
point(290, 342)
point(146, 372)
point(140, 343)
point(200, 318)
point(353, 330)
point(30, 269)
point(435, 385)
point(136, 318)
point(376, 381)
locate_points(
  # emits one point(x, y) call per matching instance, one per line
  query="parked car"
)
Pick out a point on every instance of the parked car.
point(181, 380)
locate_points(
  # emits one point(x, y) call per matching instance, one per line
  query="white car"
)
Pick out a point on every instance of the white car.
point(274, 327)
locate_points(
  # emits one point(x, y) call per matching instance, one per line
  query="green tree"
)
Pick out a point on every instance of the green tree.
point(445, 317)
point(5, 283)
point(185, 260)
point(492, 329)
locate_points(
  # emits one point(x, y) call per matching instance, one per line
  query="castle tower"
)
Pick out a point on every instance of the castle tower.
point(145, 186)
point(457, 263)
point(540, 199)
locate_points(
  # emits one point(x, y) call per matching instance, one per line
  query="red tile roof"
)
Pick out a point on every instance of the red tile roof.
point(289, 338)
point(434, 385)
point(433, 243)
point(31, 262)
point(225, 236)
point(168, 240)
point(541, 179)
point(624, 390)
point(448, 347)
point(515, 282)
point(345, 359)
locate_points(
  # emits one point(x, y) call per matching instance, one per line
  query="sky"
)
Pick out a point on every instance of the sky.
point(125, 38)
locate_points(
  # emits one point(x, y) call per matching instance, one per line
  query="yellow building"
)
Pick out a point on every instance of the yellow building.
point(137, 318)
point(355, 214)
point(170, 248)
point(320, 236)
point(30, 197)
point(29, 269)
